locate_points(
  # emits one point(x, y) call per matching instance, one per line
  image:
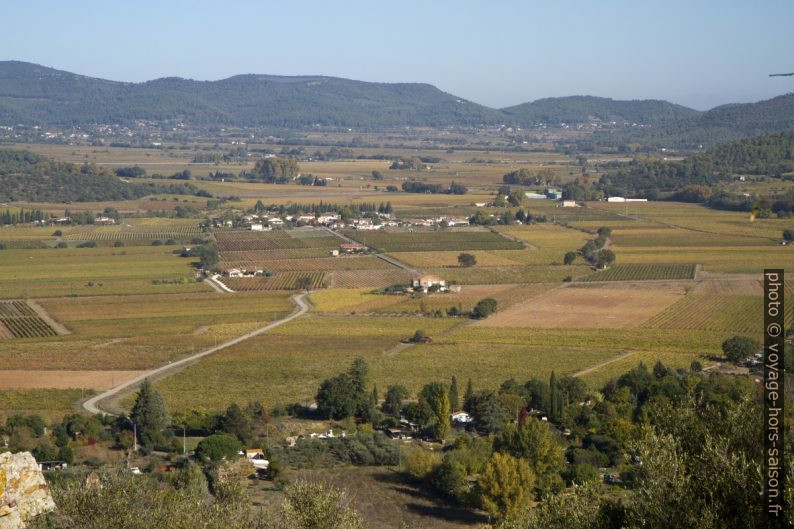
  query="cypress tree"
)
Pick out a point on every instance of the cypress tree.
point(453, 393)
point(468, 396)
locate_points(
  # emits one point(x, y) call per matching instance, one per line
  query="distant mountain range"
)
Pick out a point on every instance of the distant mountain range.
point(33, 94)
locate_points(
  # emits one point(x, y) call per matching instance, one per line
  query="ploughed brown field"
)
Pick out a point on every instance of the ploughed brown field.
point(52, 379)
point(595, 307)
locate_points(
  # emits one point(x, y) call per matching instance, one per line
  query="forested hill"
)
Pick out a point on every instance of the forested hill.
point(25, 176)
point(769, 155)
point(36, 94)
point(719, 125)
point(31, 93)
point(578, 109)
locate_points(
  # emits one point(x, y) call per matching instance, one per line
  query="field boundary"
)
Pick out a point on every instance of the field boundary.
point(58, 327)
point(111, 397)
point(527, 246)
point(218, 285)
point(598, 366)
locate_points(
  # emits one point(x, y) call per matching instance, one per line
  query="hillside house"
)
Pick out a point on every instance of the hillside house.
point(256, 456)
point(455, 221)
point(569, 203)
point(233, 272)
point(461, 417)
point(257, 227)
point(535, 196)
point(104, 220)
point(327, 219)
point(553, 194)
point(427, 281)
point(52, 465)
point(253, 453)
point(352, 247)
point(366, 224)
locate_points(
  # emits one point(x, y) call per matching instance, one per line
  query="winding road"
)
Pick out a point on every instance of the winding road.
point(93, 405)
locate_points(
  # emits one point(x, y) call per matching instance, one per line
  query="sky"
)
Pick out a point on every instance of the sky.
point(699, 53)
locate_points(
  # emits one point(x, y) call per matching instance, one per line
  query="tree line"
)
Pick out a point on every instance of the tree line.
point(415, 186)
point(30, 177)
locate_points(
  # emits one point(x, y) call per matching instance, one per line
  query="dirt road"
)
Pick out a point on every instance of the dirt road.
point(95, 403)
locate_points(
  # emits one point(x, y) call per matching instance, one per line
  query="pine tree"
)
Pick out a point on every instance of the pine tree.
point(553, 397)
point(150, 414)
point(453, 393)
point(358, 376)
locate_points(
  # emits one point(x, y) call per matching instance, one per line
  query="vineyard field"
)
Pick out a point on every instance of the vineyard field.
point(271, 240)
point(137, 233)
point(450, 258)
point(718, 312)
point(434, 241)
point(253, 256)
point(368, 278)
point(19, 320)
point(279, 281)
point(365, 262)
point(643, 272)
point(508, 274)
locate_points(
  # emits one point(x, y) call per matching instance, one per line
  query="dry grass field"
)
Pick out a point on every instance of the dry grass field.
point(601, 307)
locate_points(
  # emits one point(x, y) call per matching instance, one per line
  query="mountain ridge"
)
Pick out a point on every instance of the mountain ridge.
point(35, 94)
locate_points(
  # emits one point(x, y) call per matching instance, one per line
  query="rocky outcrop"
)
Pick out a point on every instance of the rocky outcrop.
point(23, 491)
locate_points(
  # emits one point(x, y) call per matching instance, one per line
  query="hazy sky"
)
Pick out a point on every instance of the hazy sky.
point(699, 53)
